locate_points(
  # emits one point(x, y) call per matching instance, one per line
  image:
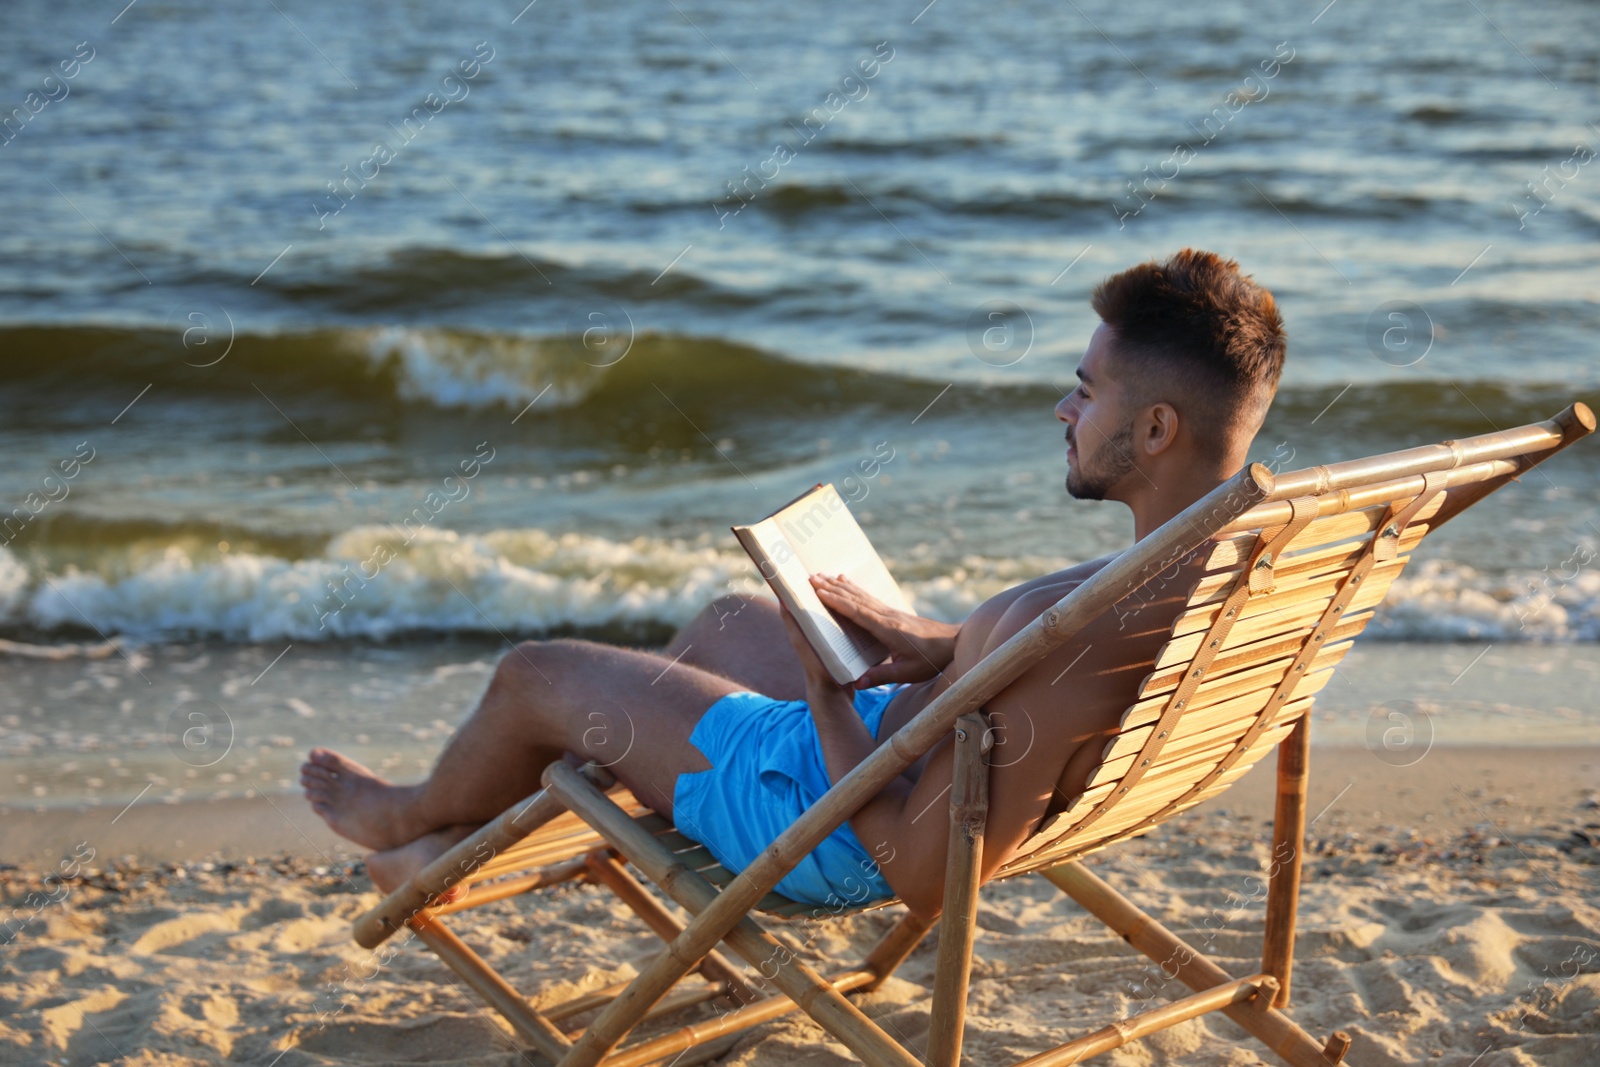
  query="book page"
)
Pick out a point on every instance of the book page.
point(825, 536)
point(856, 648)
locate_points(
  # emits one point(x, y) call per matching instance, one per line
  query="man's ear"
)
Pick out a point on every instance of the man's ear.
point(1159, 430)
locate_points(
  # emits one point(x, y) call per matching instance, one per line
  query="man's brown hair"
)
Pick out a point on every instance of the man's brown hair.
point(1199, 334)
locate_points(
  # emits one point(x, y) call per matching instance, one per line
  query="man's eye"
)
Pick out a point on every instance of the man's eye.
point(1081, 392)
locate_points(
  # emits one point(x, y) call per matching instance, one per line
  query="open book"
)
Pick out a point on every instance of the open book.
point(816, 534)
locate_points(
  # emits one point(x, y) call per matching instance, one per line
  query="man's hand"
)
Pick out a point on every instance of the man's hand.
point(816, 670)
point(919, 648)
point(821, 690)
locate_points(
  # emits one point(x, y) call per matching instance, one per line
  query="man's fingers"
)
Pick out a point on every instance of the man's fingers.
point(840, 601)
point(894, 669)
point(871, 678)
point(849, 599)
point(844, 587)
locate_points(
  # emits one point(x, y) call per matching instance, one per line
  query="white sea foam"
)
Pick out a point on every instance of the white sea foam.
point(460, 370)
point(516, 582)
point(13, 582)
point(1441, 600)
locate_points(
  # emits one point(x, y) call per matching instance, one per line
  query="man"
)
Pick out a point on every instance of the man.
point(736, 727)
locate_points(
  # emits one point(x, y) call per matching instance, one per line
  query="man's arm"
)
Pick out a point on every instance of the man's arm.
point(905, 845)
point(906, 826)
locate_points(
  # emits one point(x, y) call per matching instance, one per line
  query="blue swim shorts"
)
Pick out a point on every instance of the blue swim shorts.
point(766, 769)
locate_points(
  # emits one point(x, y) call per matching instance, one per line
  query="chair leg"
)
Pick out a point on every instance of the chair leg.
point(893, 948)
point(1288, 846)
point(969, 810)
point(666, 1049)
point(716, 967)
point(1146, 1023)
point(489, 840)
point(1267, 1024)
point(531, 1026)
point(819, 998)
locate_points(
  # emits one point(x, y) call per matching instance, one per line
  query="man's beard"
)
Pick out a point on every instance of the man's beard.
point(1113, 460)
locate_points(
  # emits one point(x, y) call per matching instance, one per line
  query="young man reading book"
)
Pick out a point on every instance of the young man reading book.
point(737, 725)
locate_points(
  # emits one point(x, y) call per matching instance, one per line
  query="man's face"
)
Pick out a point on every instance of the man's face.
point(1099, 430)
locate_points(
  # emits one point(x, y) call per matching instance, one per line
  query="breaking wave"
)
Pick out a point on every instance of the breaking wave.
point(367, 584)
point(469, 370)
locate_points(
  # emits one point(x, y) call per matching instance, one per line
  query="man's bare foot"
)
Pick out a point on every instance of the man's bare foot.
point(391, 868)
point(357, 804)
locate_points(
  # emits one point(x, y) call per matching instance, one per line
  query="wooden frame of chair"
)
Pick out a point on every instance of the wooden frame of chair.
point(1252, 520)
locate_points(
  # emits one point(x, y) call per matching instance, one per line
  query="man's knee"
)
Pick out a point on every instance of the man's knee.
point(532, 663)
point(731, 608)
point(726, 606)
point(690, 641)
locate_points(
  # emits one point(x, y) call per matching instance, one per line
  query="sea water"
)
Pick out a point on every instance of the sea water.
point(349, 344)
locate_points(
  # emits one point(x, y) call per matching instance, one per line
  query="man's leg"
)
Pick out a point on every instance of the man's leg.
point(743, 639)
point(629, 710)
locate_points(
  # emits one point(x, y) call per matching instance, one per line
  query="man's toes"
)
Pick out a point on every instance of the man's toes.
point(315, 780)
point(325, 759)
point(331, 763)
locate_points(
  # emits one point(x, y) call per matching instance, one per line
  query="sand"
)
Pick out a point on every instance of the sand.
point(1450, 915)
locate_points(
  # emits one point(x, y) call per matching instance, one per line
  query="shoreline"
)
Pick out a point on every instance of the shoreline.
point(1447, 790)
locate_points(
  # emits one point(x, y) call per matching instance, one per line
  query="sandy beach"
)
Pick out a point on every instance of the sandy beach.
point(1449, 916)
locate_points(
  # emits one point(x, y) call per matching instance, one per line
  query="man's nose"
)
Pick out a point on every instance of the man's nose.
point(1066, 410)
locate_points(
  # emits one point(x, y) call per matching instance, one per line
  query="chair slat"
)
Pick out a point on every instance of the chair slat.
point(1235, 550)
point(1169, 769)
point(1226, 686)
point(653, 822)
point(776, 903)
point(1214, 587)
point(1131, 823)
point(1153, 794)
point(1159, 797)
point(1067, 846)
point(698, 858)
point(562, 838)
point(675, 840)
point(1365, 499)
point(1255, 701)
point(1258, 640)
point(1196, 620)
point(545, 852)
point(1241, 712)
point(1177, 752)
point(1243, 703)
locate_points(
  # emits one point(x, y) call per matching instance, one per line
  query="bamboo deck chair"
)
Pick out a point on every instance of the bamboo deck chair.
point(1294, 565)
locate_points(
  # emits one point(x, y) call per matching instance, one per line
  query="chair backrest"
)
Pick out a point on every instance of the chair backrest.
point(1276, 600)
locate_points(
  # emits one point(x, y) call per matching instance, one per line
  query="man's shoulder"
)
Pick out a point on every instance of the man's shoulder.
point(1058, 584)
point(1143, 615)
point(1008, 611)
